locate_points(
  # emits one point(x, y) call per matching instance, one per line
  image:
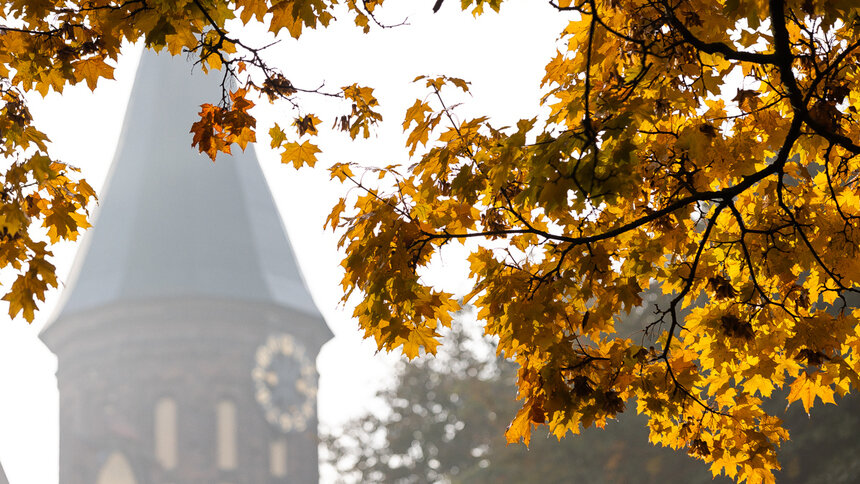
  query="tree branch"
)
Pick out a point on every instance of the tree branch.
point(784, 60)
point(717, 47)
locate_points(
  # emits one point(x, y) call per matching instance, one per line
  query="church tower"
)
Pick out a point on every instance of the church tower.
point(186, 338)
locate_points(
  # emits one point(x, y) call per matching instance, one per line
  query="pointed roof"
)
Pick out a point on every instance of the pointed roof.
point(173, 224)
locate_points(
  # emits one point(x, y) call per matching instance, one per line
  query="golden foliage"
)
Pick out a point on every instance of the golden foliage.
point(743, 213)
point(35, 191)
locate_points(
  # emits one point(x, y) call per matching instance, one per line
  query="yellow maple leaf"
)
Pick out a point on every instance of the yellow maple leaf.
point(520, 428)
point(277, 136)
point(808, 389)
point(299, 154)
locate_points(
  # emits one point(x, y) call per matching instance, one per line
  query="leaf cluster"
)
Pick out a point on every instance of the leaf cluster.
point(47, 45)
point(39, 198)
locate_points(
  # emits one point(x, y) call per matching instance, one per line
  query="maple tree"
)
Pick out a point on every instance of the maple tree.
point(645, 173)
point(705, 148)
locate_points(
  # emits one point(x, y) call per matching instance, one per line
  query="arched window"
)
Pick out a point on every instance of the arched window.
point(278, 458)
point(165, 432)
point(116, 470)
point(226, 414)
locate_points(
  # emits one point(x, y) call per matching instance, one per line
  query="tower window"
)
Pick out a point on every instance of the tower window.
point(165, 432)
point(226, 414)
point(116, 470)
point(278, 458)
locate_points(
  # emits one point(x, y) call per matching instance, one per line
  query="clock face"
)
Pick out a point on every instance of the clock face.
point(285, 383)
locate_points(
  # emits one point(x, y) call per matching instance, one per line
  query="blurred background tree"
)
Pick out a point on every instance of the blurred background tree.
point(443, 420)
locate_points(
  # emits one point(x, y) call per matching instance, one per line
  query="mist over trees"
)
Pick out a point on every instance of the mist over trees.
point(442, 420)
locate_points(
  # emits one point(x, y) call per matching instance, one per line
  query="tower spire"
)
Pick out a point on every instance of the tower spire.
point(171, 223)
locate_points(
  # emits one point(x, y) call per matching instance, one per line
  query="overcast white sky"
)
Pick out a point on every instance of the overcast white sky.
point(502, 55)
